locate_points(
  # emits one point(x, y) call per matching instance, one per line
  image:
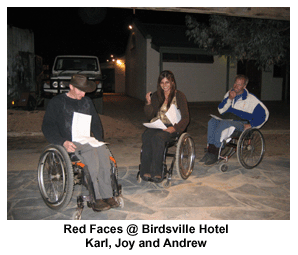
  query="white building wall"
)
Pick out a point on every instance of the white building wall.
point(152, 67)
point(135, 71)
point(201, 82)
point(198, 81)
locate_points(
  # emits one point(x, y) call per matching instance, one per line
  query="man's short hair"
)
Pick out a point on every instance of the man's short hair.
point(242, 77)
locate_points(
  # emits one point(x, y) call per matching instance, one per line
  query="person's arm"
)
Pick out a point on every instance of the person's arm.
point(225, 103)
point(152, 108)
point(259, 116)
point(50, 127)
point(183, 107)
point(96, 125)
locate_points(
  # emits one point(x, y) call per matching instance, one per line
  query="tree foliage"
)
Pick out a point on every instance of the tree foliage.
point(266, 41)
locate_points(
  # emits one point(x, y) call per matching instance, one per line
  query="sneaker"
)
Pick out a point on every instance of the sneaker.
point(100, 205)
point(205, 158)
point(211, 160)
point(111, 202)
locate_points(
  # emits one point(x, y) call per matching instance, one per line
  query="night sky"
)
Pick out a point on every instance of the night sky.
point(86, 31)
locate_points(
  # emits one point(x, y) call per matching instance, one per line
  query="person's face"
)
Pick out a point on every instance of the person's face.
point(165, 85)
point(76, 93)
point(239, 86)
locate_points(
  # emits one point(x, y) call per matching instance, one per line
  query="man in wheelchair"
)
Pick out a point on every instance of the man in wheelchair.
point(58, 128)
point(239, 109)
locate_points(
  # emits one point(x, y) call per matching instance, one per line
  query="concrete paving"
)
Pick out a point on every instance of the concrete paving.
point(262, 193)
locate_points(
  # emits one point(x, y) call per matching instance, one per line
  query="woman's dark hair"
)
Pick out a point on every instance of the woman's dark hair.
point(161, 97)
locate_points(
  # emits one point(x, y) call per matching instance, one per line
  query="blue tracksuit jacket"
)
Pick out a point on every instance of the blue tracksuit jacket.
point(247, 106)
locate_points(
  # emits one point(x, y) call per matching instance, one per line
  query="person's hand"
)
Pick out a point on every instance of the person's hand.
point(148, 97)
point(232, 94)
point(69, 146)
point(170, 130)
point(247, 126)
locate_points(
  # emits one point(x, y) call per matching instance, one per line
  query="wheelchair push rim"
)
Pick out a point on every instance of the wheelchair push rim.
point(185, 156)
point(55, 177)
point(250, 148)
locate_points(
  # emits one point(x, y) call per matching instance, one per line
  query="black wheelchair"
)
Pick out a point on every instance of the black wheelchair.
point(249, 146)
point(182, 151)
point(59, 171)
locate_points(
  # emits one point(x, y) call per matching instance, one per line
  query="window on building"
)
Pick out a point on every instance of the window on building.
point(187, 58)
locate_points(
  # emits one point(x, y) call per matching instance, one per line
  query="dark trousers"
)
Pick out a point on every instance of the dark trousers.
point(154, 141)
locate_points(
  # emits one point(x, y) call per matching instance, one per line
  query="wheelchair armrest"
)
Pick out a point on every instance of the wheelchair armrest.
point(73, 157)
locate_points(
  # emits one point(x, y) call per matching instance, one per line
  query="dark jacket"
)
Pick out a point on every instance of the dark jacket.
point(57, 122)
point(152, 110)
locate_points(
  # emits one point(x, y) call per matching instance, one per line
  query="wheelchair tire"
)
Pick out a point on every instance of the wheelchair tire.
point(55, 177)
point(185, 156)
point(250, 148)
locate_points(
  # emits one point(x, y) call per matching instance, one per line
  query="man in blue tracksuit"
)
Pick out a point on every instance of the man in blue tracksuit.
point(244, 108)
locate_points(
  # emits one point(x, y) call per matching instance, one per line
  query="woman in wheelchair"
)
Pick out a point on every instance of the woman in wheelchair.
point(154, 140)
point(239, 109)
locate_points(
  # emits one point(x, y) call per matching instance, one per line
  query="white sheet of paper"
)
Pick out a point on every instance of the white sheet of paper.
point(226, 133)
point(218, 118)
point(156, 124)
point(81, 124)
point(173, 114)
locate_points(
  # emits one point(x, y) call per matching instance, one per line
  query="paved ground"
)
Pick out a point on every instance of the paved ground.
point(239, 194)
point(259, 194)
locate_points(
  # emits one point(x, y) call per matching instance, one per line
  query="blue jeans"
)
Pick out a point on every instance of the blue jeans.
point(215, 127)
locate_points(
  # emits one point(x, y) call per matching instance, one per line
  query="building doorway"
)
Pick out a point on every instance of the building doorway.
point(249, 68)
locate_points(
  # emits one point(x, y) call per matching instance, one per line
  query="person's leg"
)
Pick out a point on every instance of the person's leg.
point(212, 126)
point(146, 156)
point(97, 161)
point(213, 148)
point(225, 124)
point(103, 174)
point(158, 143)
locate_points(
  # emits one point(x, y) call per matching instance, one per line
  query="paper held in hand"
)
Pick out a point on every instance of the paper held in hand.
point(218, 118)
point(173, 114)
point(81, 124)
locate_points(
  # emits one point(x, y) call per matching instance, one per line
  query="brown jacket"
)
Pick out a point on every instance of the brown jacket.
point(152, 109)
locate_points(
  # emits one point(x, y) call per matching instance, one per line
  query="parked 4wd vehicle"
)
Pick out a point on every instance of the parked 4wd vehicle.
point(64, 67)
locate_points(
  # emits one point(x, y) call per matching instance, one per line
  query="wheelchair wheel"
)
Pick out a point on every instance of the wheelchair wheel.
point(250, 148)
point(185, 156)
point(55, 177)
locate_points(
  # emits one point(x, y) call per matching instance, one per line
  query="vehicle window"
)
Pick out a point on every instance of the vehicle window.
point(82, 64)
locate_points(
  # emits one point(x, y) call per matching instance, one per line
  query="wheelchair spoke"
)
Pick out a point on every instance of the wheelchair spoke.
point(185, 156)
point(251, 149)
point(53, 177)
